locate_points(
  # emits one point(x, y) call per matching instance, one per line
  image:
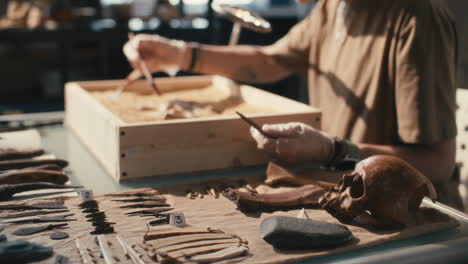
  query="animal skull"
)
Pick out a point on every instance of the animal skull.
point(383, 190)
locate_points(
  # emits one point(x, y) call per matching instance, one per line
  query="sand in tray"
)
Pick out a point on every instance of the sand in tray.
point(134, 107)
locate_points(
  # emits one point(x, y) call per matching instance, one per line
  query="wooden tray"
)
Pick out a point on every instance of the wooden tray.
point(134, 150)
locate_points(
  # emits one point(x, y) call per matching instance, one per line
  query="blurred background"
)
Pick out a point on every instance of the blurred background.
point(45, 43)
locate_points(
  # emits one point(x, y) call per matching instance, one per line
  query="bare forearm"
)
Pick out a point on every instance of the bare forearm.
point(241, 63)
point(436, 162)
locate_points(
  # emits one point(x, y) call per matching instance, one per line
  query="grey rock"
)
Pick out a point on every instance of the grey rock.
point(284, 232)
point(20, 251)
point(62, 260)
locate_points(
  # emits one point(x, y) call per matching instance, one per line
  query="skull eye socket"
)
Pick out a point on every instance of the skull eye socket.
point(357, 188)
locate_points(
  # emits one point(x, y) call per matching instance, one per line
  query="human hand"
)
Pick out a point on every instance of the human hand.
point(295, 142)
point(158, 53)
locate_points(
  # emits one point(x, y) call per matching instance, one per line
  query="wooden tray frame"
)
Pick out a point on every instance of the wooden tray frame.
point(136, 150)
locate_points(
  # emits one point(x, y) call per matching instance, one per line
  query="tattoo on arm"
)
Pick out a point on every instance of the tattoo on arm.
point(247, 74)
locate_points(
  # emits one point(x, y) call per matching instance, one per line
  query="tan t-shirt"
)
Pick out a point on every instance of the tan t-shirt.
point(382, 72)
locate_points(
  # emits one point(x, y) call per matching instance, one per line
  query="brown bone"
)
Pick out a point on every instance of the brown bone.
point(9, 154)
point(8, 190)
point(253, 202)
point(24, 163)
point(384, 190)
point(31, 175)
point(159, 234)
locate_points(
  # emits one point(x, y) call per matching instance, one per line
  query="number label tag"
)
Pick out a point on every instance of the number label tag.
point(177, 219)
point(86, 195)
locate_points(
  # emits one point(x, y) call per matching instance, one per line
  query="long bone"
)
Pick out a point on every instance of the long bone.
point(307, 195)
point(128, 250)
point(33, 175)
point(102, 241)
point(85, 257)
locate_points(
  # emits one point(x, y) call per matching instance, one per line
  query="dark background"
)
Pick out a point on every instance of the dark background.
point(35, 64)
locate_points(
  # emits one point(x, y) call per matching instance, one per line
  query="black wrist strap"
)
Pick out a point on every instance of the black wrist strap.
point(193, 60)
point(345, 155)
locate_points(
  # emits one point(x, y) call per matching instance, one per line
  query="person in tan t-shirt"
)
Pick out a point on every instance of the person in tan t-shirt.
point(382, 72)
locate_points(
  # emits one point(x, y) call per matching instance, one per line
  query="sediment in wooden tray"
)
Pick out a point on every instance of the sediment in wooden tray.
point(208, 101)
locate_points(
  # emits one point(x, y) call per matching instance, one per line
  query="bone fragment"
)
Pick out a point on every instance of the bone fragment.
point(159, 234)
point(32, 213)
point(189, 195)
point(200, 243)
point(223, 254)
point(26, 231)
point(307, 195)
point(146, 205)
point(187, 253)
point(8, 190)
point(164, 242)
point(214, 193)
point(44, 219)
point(30, 175)
point(276, 174)
point(37, 206)
point(138, 200)
point(130, 252)
point(25, 163)
point(137, 193)
point(85, 257)
point(105, 250)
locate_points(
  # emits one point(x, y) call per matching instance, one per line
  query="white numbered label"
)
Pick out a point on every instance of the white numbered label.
point(86, 195)
point(177, 219)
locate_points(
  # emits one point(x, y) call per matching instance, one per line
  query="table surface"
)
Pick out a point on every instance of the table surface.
point(447, 246)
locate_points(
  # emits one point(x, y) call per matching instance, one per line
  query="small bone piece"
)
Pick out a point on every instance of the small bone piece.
point(224, 254)
point(86, 258)
point(214, 193)
point(129, 251)
point(303, 214)
point(105, 250)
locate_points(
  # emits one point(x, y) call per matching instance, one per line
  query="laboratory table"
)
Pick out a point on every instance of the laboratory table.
point(448, 246)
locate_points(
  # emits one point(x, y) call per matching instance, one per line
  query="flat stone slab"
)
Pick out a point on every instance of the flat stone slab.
point(284, 232)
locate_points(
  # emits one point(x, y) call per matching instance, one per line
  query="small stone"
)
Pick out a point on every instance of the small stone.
point(62, 260)
point(284, 232)
point(59, 235)
point(3, 238)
